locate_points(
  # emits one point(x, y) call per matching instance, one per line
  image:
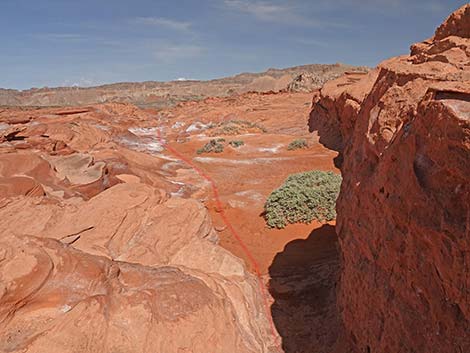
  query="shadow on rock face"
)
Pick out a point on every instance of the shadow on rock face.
point(303, 285)
point(328, 132)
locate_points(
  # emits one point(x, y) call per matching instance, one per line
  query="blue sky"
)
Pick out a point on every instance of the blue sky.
point(90, 42)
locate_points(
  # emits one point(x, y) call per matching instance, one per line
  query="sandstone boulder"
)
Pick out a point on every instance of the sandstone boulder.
point(127, 270)
point(304, 82)
point(54, 298)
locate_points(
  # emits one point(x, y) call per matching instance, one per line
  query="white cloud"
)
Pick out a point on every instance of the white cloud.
point(260, 9)
point(163, 22)
point(312, 42)
point(386, 6)
point(172, 52)
point(80, 82)
point(279, 13)
point(76, 37)
point(60, 36)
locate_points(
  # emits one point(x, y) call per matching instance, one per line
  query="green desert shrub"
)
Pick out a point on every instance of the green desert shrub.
point(297, 144)
point(302, 198)
point(237, 127)
point(236, 143)
point(212, 146)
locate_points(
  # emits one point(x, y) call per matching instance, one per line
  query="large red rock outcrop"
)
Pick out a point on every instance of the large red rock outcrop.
point(404, 207)
point(336, 106)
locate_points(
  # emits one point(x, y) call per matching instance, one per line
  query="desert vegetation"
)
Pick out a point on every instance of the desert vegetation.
point(214, 145)
point(302, 198)
point(237, 127)
point(236, 143)
point(297, 144)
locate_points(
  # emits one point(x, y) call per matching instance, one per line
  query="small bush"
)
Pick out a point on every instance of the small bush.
point(237, 127)
point(212, 146)
point(218, 148)
point(236, 143)
point(302, 198)
point(297, 144)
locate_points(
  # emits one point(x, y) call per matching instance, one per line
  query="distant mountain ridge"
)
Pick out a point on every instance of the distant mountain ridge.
point(161, 94)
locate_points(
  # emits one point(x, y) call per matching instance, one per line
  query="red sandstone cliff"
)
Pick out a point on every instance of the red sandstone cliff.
point(404, 208)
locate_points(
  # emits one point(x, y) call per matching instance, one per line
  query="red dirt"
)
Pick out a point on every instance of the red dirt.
point(235, 172)
point(301, 279)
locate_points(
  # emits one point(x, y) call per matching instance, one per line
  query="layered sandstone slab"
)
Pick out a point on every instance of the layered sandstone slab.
point(58, 299)
point(96, 255)
point(404, 208)
point(127, 270)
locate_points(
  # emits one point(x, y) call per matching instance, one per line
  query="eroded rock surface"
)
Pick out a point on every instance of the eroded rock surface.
point(305, 82)
point(96, 255)
point(336, 106)
point(56, 298)
point(404, 208)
